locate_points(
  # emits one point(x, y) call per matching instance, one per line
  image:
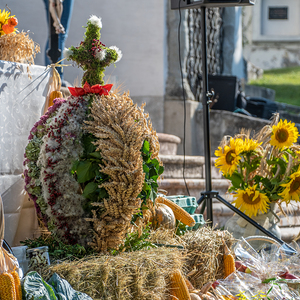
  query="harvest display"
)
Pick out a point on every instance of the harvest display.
point(92, 168)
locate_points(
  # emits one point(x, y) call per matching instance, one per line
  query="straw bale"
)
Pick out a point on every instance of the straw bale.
point(136, 275)
point(204, 257)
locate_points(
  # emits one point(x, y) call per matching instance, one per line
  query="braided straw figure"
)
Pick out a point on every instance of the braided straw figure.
point(121, 128)
point(92, 55)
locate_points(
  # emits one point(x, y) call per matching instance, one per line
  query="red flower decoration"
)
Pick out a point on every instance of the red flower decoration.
point(87, 89)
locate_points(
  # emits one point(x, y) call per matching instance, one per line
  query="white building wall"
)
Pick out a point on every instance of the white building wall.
point(136, 27)
point(272, 43)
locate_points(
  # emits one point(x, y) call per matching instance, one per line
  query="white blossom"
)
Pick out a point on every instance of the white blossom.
point(95, 21)
point(119, 52)
point(67, 53)
point(101, 54)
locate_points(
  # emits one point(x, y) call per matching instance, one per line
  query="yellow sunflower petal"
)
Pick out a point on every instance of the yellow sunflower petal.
point(250, 145)
point(284, 134)
point(292, 188)
point(251, 201)
point(228, 157)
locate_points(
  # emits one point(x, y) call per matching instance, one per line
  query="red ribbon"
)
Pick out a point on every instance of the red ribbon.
point(87, 89)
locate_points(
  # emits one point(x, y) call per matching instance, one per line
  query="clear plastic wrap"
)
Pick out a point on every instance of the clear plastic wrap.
point(270, 274)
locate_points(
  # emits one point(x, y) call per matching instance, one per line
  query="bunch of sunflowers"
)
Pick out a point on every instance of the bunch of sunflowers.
point(7, 23)
point(262, 169)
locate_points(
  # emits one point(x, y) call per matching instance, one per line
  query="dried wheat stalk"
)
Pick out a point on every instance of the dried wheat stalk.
point(121, 128)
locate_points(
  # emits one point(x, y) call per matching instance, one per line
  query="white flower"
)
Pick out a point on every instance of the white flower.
point(119, 53)
point(95, 21)
point(101, 54)
point(67, 53)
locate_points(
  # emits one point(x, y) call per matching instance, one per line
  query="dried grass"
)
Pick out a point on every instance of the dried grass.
point(204, 252)
point(204, 260)
point(135, 275)
point(18, 48)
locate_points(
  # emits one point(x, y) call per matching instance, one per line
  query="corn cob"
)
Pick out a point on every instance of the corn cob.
point(229, 265)
point(17, 285)
point(179, 213)
point(179, 289)
point(54, 95)
point(7, 287)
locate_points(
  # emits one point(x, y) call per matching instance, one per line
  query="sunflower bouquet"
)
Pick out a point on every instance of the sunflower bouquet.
point(7, 23)
point(262, 169)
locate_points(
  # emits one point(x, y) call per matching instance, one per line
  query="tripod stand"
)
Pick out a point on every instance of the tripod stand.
point(209, 194)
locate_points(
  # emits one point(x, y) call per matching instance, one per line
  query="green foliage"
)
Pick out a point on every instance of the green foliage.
point(135, 242)
point(152, 171)
point(58, 250)
point(284, 81)
point(86, 171)
point(181, 228)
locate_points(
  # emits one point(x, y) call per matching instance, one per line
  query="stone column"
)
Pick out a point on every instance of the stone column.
point(174, 104)
point(233, 61)
point(173, 82)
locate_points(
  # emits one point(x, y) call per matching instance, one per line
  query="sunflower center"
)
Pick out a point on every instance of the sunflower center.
point(249, 198)
point(282, 135)
point(230, 156)
point(295, 185)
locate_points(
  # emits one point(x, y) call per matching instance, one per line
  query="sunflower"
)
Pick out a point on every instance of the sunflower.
point(292, 188)
point(284, 134)
point(250, 145)
point(229, 156)
point(4, 16)
point(251, 201)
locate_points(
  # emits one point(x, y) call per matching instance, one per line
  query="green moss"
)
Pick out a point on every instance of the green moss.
point(85, 56)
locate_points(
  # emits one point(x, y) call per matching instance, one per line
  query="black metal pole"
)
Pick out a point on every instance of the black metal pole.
point(205, 102)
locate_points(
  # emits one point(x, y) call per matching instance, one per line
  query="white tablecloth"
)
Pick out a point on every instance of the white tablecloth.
point(21, 105)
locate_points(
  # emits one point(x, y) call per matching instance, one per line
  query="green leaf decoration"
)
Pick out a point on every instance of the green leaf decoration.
point(96, 154)
point(90, 188)
point(146, 147)
point(85, 171)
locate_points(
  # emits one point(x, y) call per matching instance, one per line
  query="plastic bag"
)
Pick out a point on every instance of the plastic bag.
point(270, 269)
point(64, 290)
point(35, 288)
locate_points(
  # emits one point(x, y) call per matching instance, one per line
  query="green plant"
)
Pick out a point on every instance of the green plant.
point(86, 171)
point(56, 249)
point(152, 170)
point(135, 241)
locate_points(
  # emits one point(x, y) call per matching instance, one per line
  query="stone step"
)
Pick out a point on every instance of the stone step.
point(194, 167)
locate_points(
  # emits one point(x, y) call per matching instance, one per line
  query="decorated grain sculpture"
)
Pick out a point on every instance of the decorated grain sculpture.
point(86, 157)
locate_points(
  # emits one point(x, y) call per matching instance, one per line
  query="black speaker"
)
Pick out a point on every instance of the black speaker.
point(226, 89)
point(176, 4)
point(261, 107)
